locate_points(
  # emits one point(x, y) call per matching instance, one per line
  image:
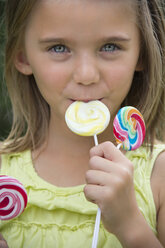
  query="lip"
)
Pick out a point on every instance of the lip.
point(86, 100)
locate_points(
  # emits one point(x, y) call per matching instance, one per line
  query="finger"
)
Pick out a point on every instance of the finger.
point(93, 193)
point(101, 164)
point(109, 151)
point(116, 181)
point(98, 177)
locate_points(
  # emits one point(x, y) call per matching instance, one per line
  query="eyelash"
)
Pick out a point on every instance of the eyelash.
point(65, 49)
point(113, 47)
point(109, 47)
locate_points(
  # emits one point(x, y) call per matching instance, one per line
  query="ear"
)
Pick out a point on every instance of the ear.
point(21, 63)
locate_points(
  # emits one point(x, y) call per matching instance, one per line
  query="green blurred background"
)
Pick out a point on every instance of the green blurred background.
point(5, 108)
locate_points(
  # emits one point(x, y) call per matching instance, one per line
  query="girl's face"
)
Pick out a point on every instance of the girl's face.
point(81, 50)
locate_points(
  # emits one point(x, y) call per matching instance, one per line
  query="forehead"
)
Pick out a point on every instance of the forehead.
point(81, 20)
point(129, 3)
point(72, 7)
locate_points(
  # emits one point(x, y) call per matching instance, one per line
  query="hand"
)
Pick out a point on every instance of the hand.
point(3, 243)
point(110, 185)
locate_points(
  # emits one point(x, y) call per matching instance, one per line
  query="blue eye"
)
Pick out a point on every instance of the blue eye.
point(110, 47)
point(59, 49)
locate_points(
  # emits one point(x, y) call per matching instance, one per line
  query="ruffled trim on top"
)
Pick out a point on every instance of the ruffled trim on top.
point(42, 193)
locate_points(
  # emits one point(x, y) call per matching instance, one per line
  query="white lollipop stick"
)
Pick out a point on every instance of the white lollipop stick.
point(98, 216)
point(96, 229)
point(95, 140)
point(119, 145)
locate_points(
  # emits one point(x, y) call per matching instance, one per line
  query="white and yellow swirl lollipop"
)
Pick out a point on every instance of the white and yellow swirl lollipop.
point(87, 118)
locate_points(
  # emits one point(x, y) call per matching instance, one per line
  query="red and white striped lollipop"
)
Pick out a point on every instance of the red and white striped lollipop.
point(13, 198)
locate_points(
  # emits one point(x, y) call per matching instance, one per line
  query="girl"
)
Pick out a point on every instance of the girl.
point(60, 51)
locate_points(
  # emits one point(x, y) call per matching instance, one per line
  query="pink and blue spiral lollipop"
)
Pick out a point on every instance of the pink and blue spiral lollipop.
point(129, 128)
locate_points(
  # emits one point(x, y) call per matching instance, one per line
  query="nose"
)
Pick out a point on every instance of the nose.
point(86, 70)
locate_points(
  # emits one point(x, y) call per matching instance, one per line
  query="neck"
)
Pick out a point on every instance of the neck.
point(61, 138)
point(66, 155)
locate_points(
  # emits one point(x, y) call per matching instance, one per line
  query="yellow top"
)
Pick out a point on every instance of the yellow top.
point(62, 217)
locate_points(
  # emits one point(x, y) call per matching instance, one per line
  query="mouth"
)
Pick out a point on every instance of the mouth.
point(86, 100)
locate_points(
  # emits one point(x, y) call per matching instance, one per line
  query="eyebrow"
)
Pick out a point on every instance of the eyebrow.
point(52, 40)
point(118, 38)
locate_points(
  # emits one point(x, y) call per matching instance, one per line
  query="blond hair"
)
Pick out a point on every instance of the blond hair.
point(31, 112)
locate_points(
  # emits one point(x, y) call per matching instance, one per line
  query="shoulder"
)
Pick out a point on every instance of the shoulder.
point(158, 173)
point(158, 186)
point(159, 167)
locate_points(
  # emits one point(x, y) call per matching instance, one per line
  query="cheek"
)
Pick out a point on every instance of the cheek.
point(51, 78)
point(47, 72)
point(120, 77)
